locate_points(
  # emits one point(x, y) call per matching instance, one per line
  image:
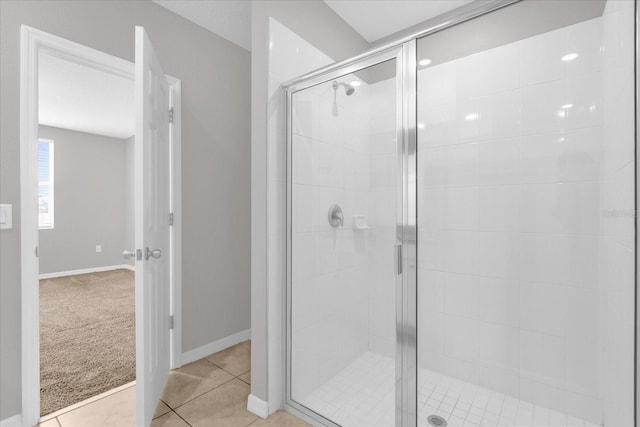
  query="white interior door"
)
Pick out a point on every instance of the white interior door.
point(152, 205)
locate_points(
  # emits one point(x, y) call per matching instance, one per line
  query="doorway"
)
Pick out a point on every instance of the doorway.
point(85, 219)
point(35, 44)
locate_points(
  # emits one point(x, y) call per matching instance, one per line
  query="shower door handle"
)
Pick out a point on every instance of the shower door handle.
point(397, 259)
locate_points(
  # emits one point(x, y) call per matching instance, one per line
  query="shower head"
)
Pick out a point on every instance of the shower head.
point(348, 89)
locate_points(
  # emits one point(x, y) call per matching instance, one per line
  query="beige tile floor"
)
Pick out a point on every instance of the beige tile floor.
point(209, 392)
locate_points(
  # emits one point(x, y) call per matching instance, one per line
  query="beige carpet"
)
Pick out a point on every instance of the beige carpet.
point(87, 336)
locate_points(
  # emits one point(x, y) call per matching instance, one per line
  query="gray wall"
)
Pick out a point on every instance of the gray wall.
point(314, 21)
point(215, 76)
point(89, 202)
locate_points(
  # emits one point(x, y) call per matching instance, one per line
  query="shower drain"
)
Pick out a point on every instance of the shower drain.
point(436, 421)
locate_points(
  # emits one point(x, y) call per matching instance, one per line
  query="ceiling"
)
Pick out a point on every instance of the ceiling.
point(372, 19)
point(230, 19)
point(76, 97)
point(381, 18)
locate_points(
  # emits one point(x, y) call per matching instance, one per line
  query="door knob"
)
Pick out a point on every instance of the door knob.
point(128, 254)
point(148, 253)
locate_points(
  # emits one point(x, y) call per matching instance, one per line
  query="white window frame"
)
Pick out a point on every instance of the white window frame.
point(48, 225)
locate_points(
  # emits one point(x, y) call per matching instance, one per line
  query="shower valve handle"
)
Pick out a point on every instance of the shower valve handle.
point(336, 218)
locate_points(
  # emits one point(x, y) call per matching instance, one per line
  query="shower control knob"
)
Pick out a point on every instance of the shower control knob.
point(336, 218)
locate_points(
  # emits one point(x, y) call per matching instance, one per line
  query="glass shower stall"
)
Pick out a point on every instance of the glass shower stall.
point(461, 227)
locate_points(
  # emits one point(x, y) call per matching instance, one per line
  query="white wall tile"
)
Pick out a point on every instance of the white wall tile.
point(583, 363)
point(461, 338)
point(467, 119)
point(437, 125)
point(461, 208)
point(544, 395)
point(462, 165)
point(499, 115)
point(567, 208)
point(431, 290)
point(499, 345)
point(432, 167)
point(498, 254)
point(542, 358)
point(560, 157)
point(589, 408)
point(460, 295)
point(499, 301)
point(438, 85)
point(542, 107)
point(459, 251)
point(541, 58)
point(584, 93)
point(498, 162)
point(302, 256)
point(498, 208)
point(327, 165)
point(302, 205)
point(585, 39)
point(582, 313)
point(560, 259)
point(302, 160)
point(543, 309)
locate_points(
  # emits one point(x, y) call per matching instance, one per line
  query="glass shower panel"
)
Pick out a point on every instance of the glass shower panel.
point(343, 226)
point(526, 216)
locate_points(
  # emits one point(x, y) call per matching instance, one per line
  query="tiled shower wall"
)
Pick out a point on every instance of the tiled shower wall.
point(511, 172)
point(616, 295)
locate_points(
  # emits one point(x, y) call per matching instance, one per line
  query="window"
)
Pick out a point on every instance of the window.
point(45, 183)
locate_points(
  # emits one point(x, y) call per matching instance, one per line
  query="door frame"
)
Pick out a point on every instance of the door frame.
point(32, 42)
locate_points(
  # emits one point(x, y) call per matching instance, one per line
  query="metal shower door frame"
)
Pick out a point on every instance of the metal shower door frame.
point(406, 236)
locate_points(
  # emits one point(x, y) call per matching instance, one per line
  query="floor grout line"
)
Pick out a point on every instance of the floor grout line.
point(200, 395)
point(218, 366)
point(182, 418)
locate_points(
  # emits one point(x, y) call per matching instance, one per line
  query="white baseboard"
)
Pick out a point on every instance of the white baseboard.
point(15, 421)
point(86, 271)
point(214, 347)
point(257, 406)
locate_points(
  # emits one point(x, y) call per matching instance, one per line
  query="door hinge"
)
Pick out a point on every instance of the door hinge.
point(37, 256)
point(171, 322)
point(170, 218)
point(171, 115)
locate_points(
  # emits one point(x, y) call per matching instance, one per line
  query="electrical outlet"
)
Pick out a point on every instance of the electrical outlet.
point(98, 249)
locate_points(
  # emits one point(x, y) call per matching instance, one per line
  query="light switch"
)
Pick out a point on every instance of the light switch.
point(6, 221)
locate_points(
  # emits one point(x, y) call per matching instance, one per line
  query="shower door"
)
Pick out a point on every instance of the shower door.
point(526, 217)
point(351, 243)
